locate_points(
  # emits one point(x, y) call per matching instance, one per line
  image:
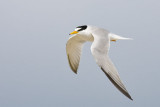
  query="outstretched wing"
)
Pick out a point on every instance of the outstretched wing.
point(99, 50)
point(73, 48)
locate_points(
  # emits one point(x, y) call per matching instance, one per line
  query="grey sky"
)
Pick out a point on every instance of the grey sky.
point(34, 70)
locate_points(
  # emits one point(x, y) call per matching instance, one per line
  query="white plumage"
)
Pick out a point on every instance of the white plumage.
point(101, 42)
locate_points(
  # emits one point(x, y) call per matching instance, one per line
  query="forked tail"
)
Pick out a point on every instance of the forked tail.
point(114, 37)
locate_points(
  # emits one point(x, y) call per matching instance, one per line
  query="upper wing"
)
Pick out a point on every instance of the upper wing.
point(73, 48)
point(99, 50)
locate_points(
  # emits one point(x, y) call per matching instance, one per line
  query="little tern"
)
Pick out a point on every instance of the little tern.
point(100, 39)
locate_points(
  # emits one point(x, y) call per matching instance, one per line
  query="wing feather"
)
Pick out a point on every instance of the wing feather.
point(99, 49)
point(73, 48)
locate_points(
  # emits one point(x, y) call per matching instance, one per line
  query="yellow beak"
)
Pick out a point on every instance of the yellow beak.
point(74, 32)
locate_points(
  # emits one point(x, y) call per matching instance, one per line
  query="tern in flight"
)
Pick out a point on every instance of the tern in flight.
point(100, 39)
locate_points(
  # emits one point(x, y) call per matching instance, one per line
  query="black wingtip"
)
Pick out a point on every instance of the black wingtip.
point(117, 86)
point(129, 97)
point(74, 71)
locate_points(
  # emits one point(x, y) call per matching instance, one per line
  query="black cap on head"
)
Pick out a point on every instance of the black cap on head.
point(82, 27)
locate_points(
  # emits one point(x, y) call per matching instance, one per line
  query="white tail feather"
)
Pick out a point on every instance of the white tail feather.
point(114, 37)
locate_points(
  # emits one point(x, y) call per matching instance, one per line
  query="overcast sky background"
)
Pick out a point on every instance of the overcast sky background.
point(34, 70)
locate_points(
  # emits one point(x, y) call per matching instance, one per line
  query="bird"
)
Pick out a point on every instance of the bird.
point(100, 39)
